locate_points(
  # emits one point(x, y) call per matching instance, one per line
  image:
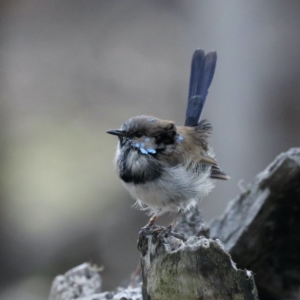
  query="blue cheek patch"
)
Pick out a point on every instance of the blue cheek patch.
point(179, 138)
point(151, 150)
point(143, 150)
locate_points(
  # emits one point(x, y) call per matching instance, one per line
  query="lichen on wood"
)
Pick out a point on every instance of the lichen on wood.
point(198, 268)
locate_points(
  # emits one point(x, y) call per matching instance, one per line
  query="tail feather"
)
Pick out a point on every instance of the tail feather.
point(217, 173)
point(202, 72)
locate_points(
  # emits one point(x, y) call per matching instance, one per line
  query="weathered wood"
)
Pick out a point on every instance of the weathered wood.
point(84, 283)
point(79, 281)
point(197, 268)
point(261, 228)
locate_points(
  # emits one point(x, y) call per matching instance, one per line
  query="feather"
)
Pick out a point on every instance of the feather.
point(202, 72)
point(216, 173)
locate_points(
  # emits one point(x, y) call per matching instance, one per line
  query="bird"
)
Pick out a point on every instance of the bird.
point(166, 167)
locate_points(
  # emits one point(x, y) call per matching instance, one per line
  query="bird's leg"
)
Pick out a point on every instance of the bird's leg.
point(173, 223)
point(152, 221)
point(169, 229)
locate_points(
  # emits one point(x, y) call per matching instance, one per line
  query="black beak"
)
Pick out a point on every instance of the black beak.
point(116, 132)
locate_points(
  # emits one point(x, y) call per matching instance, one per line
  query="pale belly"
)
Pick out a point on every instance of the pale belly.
point(176, 189)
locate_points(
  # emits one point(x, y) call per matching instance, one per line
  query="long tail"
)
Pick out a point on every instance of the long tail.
point(202, 73)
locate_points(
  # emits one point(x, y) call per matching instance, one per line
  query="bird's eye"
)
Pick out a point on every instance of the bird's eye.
point(159, 138)
point(138, 134)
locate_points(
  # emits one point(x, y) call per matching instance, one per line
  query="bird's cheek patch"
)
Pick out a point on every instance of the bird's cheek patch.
point(151, 150)
point(145, 147)
point(179, 138)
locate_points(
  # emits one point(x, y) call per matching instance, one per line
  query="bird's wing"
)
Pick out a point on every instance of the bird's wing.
point(217, 173)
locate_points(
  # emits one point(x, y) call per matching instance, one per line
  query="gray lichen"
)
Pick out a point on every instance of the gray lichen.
point(198, 268)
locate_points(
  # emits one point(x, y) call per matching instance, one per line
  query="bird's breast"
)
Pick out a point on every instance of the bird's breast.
point(135, 167)
point(179, 187)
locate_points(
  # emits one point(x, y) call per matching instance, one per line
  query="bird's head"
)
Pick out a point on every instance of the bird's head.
point(147, 134)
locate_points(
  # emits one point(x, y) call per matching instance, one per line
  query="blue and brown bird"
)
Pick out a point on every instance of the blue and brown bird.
point(165, 167)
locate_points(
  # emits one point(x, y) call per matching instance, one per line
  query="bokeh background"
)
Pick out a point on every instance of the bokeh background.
point(70, 70)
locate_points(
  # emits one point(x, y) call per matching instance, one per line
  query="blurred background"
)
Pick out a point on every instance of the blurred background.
point(70, 70)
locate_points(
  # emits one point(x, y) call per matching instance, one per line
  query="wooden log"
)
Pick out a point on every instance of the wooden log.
point(261, 228)
point(198, 268)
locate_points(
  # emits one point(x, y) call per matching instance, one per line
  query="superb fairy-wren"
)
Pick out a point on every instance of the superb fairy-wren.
point(167, 167)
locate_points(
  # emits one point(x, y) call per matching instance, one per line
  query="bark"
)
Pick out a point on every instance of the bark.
point(84, 283)
point(197, 268)
point(261, 228)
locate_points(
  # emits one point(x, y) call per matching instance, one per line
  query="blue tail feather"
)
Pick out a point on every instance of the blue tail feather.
point(202, 72)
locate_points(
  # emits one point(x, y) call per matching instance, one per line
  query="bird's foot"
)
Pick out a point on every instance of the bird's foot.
point(165, 232)
point(150, 223)
point(158, 234)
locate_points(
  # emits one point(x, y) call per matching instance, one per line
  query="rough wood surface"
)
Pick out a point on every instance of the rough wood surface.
point(77, 282)
point(261, 228)
point(84, 283)
point(197, 268)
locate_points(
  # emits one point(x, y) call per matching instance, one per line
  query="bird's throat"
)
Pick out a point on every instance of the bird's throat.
point(138, 168)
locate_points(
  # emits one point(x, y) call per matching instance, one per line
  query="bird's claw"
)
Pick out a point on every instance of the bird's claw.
point(165, 232)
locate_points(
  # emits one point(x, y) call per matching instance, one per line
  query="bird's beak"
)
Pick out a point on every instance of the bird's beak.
point(116, 132)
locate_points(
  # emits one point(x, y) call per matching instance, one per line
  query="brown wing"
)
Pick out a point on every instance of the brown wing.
point(195, 147)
